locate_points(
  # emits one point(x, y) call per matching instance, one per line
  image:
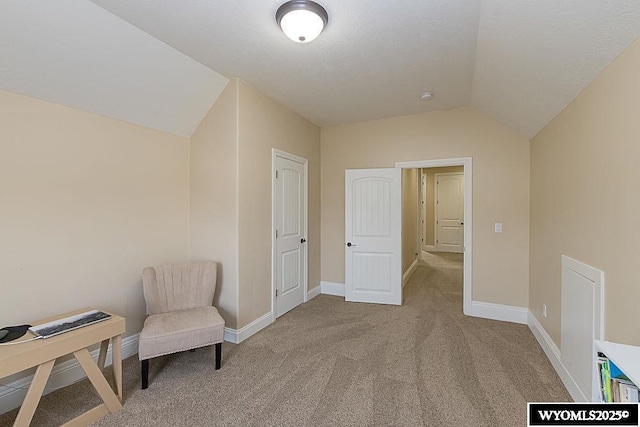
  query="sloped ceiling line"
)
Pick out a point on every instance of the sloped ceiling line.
point(152, 62)
point(75, 53)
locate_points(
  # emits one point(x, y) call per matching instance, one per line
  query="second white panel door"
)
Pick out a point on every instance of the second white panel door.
point(290, 234)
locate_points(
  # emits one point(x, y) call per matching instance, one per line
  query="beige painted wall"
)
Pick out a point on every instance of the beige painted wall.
point(265, 124)
point(584, 198)
point(86, 203)
point(230, 197)
point(500, 188)
point(410, 199)
point(430, 220)
point(213, 197)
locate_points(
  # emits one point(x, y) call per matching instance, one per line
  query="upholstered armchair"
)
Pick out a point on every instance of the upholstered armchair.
point(181, 317)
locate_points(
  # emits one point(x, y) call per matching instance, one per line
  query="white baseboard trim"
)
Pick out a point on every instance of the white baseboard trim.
point(331, 288)
point(63, 374)
point(236, 336)
point(429, 248)
point(553, 354)
point(407, 274)
point(312, 293)
point(505, 313)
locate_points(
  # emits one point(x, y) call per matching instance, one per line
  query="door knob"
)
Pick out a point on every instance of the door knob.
point(303, 240)
point(349, 244)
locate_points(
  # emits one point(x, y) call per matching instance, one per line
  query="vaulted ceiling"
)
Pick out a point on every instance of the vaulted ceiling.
point(162, 63)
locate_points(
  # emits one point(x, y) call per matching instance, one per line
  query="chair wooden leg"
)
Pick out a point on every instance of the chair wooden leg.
point(145, 373)
point(218, 355)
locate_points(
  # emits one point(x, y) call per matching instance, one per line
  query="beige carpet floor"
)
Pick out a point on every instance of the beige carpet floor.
point(332, 363)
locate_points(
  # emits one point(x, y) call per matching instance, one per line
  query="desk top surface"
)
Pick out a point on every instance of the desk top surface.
point(18, 357)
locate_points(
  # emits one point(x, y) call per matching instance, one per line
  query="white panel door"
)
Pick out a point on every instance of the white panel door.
point(373, 226)
point(290, 235)
point(450, 212)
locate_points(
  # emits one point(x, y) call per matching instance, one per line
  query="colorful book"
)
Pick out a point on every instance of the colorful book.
point(601, 380)
point(616, 372)
point(606, 379)
point(615, 389)
point(629, 392)
point(614, 385)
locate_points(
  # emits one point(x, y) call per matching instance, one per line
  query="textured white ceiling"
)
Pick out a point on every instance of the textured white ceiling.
point(75, 53)
point(534, 57)
point(521, 61)
point(374, 59)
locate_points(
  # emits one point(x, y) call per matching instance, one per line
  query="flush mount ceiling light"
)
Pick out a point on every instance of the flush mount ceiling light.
point(302, 20)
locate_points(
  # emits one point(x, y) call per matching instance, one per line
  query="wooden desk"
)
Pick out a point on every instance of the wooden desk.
point(44, 352)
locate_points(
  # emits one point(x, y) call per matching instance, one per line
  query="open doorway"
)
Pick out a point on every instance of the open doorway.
point(437, 220)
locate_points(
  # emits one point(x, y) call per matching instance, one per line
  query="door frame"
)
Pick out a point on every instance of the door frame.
point(275, 153)
point(419, 241)
point(437, 207)
point(424, 198)
point(466, 163)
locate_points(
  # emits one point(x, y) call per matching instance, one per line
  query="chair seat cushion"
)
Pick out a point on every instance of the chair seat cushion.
point(179, 331)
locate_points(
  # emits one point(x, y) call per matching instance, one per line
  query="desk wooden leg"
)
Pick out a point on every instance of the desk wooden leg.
point(98, 380)
point(104, 346)
point(116, 351)
point(34, 394)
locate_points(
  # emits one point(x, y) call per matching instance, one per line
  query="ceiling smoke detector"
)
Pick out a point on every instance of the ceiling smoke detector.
point(427, 96)
point(302, 20)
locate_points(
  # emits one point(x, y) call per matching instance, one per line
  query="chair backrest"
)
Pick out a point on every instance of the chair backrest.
point(173, 287)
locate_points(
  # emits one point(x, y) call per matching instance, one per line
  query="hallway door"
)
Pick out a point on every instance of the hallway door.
point(450, 212)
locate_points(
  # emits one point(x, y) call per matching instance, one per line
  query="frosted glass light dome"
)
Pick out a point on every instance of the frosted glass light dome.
point(301, 20)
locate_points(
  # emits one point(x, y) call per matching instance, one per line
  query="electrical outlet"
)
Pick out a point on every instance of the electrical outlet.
point(544, 310)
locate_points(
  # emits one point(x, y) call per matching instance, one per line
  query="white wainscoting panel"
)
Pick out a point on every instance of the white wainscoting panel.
point(582, 322)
